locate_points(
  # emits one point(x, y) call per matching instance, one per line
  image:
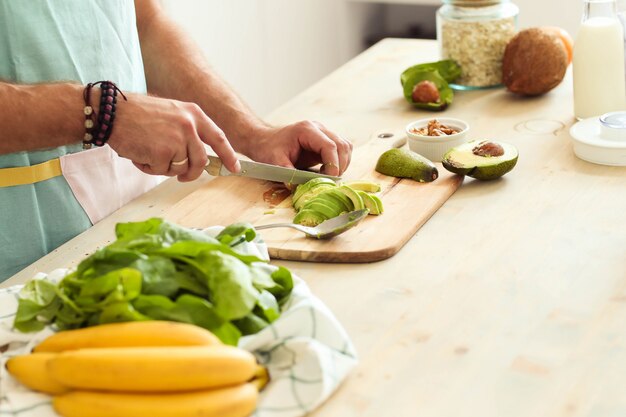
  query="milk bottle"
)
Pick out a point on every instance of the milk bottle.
point(599, 77)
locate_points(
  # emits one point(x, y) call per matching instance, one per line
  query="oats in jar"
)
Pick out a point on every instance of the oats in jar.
point(478, 47)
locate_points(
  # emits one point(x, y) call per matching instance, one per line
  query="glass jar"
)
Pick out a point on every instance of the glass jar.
point(475, 33)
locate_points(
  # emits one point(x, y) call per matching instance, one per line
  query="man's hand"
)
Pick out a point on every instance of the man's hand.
point(300, 145)
point(167, 137)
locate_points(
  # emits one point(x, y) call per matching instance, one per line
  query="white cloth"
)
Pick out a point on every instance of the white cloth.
point(306, 350)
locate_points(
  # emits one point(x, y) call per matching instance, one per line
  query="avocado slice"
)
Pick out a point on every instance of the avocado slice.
point(326, 210)
point(312, 193)
point(404, 163)
point(483, 160)
point(340, 197)
point(356, 199)
point(369, 202)
point(367, 186)
point(308, 218)
point(332, 206)
point(309, 185)
point(379, 203)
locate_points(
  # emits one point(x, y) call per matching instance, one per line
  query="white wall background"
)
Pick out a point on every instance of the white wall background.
point(270, 50)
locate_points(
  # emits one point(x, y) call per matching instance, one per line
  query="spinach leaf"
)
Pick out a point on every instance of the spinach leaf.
point(38, 304)
point(157, 270)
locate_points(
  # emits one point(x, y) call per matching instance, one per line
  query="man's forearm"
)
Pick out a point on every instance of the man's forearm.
point(176, 68)
point(40, 116)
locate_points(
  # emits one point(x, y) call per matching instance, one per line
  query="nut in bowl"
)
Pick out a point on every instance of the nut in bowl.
point(432, 138)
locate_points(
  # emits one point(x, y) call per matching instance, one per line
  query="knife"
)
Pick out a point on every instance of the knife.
point(264, 172)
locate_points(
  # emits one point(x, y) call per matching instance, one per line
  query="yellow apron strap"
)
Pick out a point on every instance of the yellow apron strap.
point(10, 177)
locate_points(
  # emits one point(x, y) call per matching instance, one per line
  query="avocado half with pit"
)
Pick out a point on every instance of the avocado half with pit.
point(483, 160)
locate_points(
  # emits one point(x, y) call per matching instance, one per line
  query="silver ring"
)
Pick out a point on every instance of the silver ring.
point(179, 163)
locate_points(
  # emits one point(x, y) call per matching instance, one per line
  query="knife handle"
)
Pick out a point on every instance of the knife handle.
point(214, 166)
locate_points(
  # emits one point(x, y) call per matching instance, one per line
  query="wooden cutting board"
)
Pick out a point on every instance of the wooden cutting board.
point(408, 205)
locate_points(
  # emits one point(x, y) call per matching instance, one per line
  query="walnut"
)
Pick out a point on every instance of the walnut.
point(434, 128)
point(488, 149)
point(425, 92)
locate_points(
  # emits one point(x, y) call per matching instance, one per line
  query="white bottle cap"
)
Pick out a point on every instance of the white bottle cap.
point(601, 140)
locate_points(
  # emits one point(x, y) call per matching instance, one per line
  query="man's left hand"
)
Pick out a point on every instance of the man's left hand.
point(301, 145)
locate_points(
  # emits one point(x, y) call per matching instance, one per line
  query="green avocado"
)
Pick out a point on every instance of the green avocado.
point(331, 206)
point(379, 203)
point(369, 202)
point(404, 163)
point(312, 193)
point(483, 160)
point(447, 68)
point(324, 208)
point(308, 218)
point(354, 196)
point(441, 73)
point(367, 186)
point(309, 185)
point(321, 199)
point(341, 198)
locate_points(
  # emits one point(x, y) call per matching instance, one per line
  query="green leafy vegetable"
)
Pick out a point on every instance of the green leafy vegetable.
point(156, 270)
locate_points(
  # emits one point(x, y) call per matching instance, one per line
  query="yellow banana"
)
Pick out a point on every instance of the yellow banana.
point(153, 369)
point(235, 401)
point(130, 334)
point(31, 370)
point(261, 377)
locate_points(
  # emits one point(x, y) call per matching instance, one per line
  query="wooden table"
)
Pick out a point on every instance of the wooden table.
point(510, 301)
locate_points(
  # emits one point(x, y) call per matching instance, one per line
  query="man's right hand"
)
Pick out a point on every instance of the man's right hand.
point(154, 132)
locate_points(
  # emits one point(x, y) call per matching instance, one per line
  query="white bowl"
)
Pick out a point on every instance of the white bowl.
point(435, 147)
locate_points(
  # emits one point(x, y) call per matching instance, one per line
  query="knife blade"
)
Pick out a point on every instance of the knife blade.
point(263, 171)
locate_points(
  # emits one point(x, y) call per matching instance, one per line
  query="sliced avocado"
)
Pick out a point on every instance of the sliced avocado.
point(356, 199)
point(309, 185)
point(483, 160)
point(340, 197)
point(312, 193)
point(326, 210)
point(308, 218)
point(369, 202)
point(403, 163)
point(379, 203)
point(332, 207)
point(367, 186)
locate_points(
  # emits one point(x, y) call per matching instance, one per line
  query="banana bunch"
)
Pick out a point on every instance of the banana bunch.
point(137, 369)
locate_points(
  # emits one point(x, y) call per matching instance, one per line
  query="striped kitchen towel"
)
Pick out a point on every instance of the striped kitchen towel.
point(307, 352)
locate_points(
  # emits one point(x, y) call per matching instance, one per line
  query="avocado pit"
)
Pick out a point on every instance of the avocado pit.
point(425, 92)
point(488, 149)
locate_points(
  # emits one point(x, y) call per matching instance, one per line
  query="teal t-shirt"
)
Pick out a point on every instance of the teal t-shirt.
point(52, 41)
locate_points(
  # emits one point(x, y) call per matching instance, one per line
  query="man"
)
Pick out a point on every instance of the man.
point(49, 51)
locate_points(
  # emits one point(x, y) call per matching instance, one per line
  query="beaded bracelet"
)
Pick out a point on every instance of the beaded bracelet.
point(98, 128)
